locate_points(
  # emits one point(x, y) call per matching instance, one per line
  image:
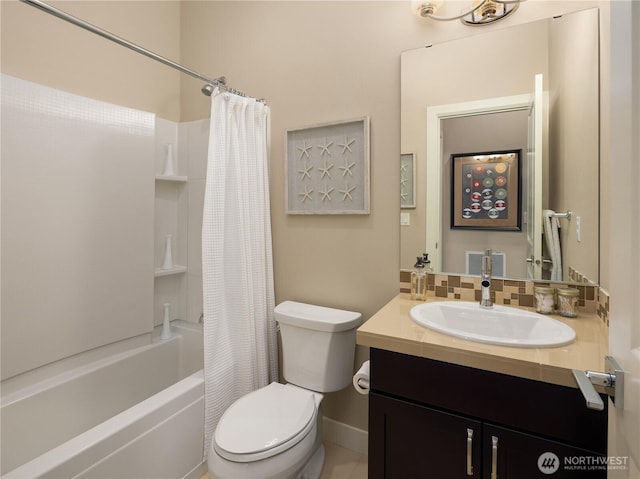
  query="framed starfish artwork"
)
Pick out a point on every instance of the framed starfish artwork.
point(407, 180)
point(327, 168)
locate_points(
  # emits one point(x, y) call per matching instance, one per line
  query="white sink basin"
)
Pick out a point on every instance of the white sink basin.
point(501, 325)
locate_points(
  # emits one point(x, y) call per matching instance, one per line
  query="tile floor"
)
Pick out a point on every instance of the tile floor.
point(340, 463)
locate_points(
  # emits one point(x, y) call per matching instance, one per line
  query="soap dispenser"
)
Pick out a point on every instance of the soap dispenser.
point(419, 281)
point(427, 263)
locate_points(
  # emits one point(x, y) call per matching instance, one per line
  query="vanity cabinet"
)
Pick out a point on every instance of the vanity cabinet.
point(430, 419)
point(407, 440)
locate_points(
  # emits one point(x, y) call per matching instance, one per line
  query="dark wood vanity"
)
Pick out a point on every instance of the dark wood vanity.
point(432, 419)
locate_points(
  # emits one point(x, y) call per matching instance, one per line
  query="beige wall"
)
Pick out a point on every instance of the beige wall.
point(317, 62)
point(573, 148)
point(314, 62)
point(43, 49)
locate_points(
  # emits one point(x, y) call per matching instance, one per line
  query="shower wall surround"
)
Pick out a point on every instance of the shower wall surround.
point(77, 223)
point(84, 226)
point(170, 218)
point(194, 143)
point(178, 211)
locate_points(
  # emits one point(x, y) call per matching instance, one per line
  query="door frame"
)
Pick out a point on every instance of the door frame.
point(624, 229)
point(433, 169)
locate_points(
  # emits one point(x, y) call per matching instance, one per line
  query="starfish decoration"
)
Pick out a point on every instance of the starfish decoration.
point(305, 172)
point(304, 149)
point(347, 144)
point(325, 169)
point(346, 192)
point(325, 148)
point(325, 193)
point(403, 182)
point(306, 194)
point(404, 196)
point(347, 168)
point(403, 167)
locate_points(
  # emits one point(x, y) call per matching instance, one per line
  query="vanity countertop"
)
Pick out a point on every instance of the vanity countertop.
point(392, 329)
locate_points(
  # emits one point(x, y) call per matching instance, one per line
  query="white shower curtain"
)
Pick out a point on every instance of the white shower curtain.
point(551, 226)
point(240, 348)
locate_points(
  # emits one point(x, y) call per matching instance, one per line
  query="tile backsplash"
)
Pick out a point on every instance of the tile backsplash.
point(592, 299)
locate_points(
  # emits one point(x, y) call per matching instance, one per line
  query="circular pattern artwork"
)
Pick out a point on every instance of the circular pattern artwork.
point(485, 190)
point(488, 185)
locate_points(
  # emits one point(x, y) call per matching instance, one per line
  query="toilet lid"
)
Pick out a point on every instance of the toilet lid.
point(265, 422)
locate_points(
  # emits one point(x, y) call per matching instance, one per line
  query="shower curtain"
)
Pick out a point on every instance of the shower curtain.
point(551, 226)
point(240, 348)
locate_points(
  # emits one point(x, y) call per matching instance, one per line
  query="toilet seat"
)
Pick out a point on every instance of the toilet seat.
point(265, 422)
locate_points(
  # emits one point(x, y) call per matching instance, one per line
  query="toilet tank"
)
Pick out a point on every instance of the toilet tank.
point(318, 345)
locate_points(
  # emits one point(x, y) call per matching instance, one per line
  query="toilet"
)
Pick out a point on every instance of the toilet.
point(276, 432)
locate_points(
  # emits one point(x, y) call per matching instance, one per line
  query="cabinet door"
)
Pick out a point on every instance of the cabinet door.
point(408, 441)
point(510, 454)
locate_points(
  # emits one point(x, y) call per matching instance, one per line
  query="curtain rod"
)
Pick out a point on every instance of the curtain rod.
point(207, 89)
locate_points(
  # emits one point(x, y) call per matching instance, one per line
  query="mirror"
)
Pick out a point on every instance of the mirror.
point(534, 88)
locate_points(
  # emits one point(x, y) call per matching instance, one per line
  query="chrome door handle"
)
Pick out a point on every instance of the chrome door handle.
point(531, 260)
point(591, 396)
point(612, 380)
point(494, 457)
point(469, 452)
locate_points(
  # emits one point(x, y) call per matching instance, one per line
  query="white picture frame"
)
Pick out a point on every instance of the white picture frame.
point(327, 168)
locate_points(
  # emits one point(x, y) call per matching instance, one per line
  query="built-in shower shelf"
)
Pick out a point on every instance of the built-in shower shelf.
point(178, 179)
point(166, 272)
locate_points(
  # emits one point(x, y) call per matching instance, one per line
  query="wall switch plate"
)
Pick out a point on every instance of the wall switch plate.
point(404, 219)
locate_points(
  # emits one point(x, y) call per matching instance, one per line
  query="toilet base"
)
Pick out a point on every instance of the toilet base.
point(313, 469)
point(295, 465)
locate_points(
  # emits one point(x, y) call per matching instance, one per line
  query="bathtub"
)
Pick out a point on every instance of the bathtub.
point(130, 410)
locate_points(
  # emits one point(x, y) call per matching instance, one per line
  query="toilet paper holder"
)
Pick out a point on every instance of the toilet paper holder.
point(361, 380)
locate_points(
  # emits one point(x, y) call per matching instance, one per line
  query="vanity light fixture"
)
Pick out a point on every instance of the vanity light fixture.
point(479, 12)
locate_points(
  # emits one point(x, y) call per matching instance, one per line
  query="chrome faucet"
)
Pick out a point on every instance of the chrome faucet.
point(485, 280)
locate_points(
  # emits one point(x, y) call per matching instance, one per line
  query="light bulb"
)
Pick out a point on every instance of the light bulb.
point(422, 8)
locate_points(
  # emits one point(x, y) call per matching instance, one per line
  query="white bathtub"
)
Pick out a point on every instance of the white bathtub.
point(130, 410)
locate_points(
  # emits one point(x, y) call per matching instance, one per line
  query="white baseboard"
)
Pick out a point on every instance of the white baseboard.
point(344, 435)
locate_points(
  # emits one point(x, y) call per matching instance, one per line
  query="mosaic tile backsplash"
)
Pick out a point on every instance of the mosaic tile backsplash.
point(592, 299)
